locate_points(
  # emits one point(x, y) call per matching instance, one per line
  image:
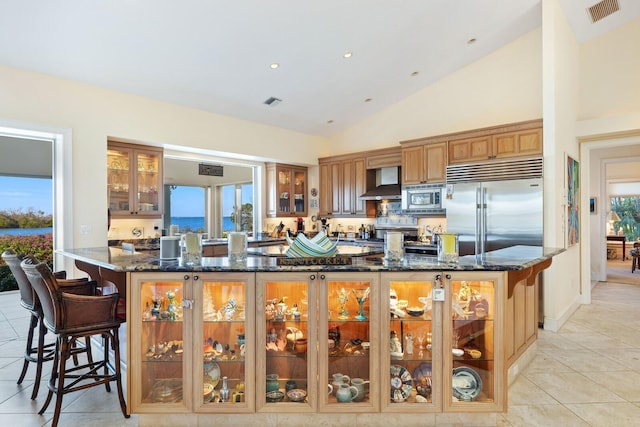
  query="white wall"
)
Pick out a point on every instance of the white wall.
point(562, 285)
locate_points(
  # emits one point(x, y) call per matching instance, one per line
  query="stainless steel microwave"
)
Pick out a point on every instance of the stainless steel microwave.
point(423, 198)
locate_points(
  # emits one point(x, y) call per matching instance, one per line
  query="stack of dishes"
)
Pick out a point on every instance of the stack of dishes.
point(319, 246)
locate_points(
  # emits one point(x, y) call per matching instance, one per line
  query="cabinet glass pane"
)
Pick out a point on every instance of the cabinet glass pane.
point(472, 340)
point(410, 342)
point(349, 335)
point(118, 180)
point(287, 333)
point(223, 313)
point(299, 191)
point(161, 338)
point(284, 190)
point(147, 170)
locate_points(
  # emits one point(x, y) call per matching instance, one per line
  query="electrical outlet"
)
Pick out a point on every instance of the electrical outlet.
point(85, 229)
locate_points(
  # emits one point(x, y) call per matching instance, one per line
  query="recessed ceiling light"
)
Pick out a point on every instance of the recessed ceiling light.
point(368, 100)
point(347, 54)
point(274, 65)
point(471, 41)
point(415, 73)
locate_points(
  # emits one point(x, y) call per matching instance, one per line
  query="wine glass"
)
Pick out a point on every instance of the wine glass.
point(361, 296)
point(343, 297)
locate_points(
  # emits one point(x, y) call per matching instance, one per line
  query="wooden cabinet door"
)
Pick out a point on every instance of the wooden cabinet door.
point(513, 144)
point(359, 186)
point(347, 187)
point(335, 207)
point(471, 149)
point(413, 164)
point(436, 162)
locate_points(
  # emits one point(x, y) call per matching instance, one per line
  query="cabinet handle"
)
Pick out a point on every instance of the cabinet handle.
point(322, 276)
point(312, 277)
point(448, 277)
point(196, 277)
point(186, 277)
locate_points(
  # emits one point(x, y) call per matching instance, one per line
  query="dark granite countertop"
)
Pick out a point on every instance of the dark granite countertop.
point(513, 258)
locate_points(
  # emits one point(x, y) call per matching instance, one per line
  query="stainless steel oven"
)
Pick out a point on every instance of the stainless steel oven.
point(423, 198)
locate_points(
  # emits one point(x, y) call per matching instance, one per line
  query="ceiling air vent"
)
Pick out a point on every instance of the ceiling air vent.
point(272, 101)
point(603, 9)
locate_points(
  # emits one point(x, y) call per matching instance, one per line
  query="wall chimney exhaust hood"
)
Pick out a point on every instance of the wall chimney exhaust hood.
point(387, 185)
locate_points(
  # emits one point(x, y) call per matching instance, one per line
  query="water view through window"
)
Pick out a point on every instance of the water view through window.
point(25, 206)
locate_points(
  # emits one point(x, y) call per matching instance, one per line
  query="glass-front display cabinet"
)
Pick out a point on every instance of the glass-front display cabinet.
point(225, 358)
point(189, 346)
point(286, 334)
point(287, 190)
point(349, 342)
point(412, 353)
point(473, 342)
point(134, 180)
point(158, 375)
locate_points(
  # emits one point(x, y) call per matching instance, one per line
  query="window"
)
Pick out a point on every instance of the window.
point(628, 210)
point(237, 208)
point(186, 208)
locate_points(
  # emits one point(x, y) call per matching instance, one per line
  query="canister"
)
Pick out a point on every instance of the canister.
point(169, 247)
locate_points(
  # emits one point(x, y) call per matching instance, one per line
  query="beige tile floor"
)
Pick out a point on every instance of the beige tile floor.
point(587, 374)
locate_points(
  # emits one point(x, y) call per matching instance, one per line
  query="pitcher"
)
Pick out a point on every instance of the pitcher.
point(359, 383)
point(338, 381)
point(346, 393)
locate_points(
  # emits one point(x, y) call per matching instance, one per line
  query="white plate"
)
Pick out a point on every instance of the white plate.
point(467, 384)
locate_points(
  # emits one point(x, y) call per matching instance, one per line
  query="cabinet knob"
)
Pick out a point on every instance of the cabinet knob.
point(196, 277)
point(448, 277)
point(312, 277)
point(186, 277)
point(322, 276)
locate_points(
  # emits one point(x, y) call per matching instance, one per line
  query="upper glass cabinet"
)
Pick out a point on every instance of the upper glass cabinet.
point(134, 180)
point(287, 190)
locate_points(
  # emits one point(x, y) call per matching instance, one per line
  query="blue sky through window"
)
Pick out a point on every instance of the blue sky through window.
point(25, 194)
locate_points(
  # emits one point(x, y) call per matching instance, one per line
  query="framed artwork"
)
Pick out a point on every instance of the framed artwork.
point(573, 201)
point(593, 205)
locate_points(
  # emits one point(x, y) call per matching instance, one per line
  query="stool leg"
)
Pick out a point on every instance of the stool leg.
point(42, 331)
point(29, 349)
point(116, 350)
point(65, 353)
point(52, 379)
point(105, 343)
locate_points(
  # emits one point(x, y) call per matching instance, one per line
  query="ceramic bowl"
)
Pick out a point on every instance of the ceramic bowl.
point(275, 396)
point(296, 395)
point(415, 311)
point(300, 345)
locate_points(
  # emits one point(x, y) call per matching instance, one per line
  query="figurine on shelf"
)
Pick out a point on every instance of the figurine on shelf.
point(171, 307)
point(395, 346)
point(230, 309)
point(409, 345)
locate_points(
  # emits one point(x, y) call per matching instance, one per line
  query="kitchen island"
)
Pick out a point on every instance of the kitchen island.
point(415, 338)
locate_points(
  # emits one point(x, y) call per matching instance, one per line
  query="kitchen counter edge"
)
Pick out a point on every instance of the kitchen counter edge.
point(512, 258)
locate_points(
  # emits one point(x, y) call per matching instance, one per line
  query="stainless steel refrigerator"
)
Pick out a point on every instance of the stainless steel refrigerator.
point(495, 205)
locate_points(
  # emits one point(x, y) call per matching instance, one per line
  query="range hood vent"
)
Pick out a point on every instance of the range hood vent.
point(530, 167)
point(387, 185)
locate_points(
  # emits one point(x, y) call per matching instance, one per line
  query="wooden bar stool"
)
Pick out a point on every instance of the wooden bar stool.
point(41, 353)
point(71, 317)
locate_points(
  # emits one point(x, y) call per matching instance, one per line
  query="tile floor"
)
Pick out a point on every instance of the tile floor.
point(587, 374)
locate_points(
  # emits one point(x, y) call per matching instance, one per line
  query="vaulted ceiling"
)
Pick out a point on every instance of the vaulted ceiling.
point(220, 56)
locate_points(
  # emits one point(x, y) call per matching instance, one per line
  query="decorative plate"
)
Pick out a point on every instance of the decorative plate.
point(422, 374)
point(467, 384)
point(401, 384)
point(211, 373)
